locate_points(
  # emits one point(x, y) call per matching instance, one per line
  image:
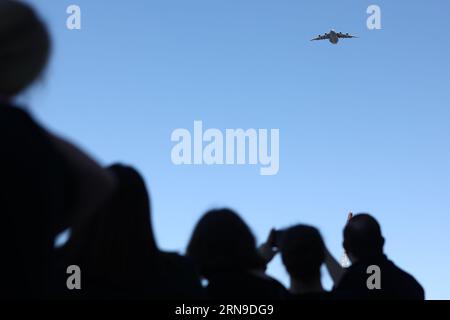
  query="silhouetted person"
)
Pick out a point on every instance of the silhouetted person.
point(364, 243)
point(303, 253)
point(224, 249)
point(46, 184)
point(118, 255)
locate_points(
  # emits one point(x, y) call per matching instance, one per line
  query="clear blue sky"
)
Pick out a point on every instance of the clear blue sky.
point(364, 125)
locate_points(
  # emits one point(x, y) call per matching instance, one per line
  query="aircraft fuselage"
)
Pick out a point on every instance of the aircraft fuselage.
point(334, 39)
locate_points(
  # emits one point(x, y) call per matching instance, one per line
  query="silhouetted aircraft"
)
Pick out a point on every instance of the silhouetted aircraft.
point(334, 36)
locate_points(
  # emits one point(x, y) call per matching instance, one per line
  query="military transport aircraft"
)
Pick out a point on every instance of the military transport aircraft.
point(334, 36)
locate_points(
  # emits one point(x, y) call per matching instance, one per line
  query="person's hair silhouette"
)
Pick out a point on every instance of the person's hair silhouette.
point(118, 252)
point(123, 243)
point(303, 253)
point(224, 249)
point(222, 241)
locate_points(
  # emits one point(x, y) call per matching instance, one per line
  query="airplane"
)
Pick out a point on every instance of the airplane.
point(334, 36)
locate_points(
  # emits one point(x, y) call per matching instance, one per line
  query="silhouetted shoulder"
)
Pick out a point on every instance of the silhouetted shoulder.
point(16, 123)
point(241, 285)
point(31, 162)
point(181, 277)
point(409, 284)
point(35, 188)
point(395, 283)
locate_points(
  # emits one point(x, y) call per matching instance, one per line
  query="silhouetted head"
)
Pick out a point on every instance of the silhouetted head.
point(128, 214)
point(362, 238)
point(222, 241)
point(302, 252)
point(117, 244)
point(24, 47)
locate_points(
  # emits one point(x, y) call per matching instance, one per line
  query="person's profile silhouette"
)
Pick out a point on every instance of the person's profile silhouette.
point(364, 244)
point(303, 253)
point(224, 249)
point(47, 184)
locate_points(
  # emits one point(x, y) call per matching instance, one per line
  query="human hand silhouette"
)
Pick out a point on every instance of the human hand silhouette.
point(350, 215)
point(269, 249)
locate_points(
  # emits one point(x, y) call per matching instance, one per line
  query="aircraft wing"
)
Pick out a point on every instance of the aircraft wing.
point(345, 35)
point(322, 37)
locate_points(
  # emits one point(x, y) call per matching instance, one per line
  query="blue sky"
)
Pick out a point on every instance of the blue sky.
point(364, 125)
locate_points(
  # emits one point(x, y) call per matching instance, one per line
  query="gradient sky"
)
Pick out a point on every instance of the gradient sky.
point(364, 125)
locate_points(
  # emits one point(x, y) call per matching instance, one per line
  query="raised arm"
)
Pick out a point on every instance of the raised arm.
point(268, 249)
point(335, 269)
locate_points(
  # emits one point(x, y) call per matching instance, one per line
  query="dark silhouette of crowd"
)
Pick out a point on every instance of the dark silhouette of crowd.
point(48, 186)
